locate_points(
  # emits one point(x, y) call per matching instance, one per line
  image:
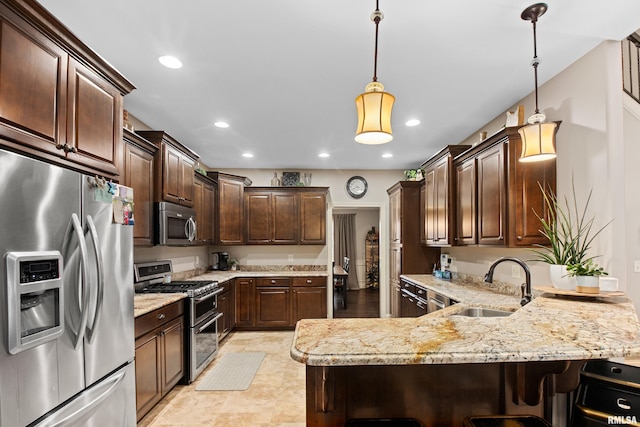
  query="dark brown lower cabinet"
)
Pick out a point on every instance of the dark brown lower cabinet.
point(273, 302)
point(159, 357)
point(309, 298)
point(245, 302)
point(278, 303)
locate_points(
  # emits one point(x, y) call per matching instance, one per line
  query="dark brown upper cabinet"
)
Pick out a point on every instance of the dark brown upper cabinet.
point(497, 196)
point(439, 200)
point(175, 169)
point(204, 199)
point(271, 217)
point(60, 101)
point(139, 158)
point(229, 208)
point(290, 216)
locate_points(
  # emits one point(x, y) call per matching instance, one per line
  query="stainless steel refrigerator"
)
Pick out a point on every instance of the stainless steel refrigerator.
point(66, 297)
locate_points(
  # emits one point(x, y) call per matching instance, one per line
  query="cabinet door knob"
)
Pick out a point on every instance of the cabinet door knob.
point(309, 281)
point(519, 237)
point(500, 237)
point(161, 316)
point(273, 281)
point(67, 148)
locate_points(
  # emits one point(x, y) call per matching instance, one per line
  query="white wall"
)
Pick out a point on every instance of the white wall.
point(631, 199)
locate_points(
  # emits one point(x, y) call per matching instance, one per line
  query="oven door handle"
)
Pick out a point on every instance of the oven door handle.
point(209, 323)
point(207, 296)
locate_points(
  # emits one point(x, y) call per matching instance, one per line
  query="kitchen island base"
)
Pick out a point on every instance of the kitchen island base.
point(436, 395)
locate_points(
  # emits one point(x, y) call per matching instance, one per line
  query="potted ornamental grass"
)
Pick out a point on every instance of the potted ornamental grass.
point(587, 276)
point(570, 233)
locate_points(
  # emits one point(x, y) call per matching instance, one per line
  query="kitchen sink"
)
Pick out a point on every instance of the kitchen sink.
point(483, 312)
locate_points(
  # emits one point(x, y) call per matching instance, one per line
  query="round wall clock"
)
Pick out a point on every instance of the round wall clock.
point(357, 187)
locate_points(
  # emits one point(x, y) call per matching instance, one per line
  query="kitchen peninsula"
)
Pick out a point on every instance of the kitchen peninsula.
point(442, 367)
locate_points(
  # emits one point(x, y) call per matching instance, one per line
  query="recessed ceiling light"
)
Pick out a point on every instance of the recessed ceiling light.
point(412, 122)
point(323, 155)
point(170, 62)
point(247, 155)
point(387, 155)
point(221, 124)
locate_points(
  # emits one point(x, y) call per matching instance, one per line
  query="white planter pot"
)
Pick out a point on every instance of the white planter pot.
point(560, 279)
point(588, 284)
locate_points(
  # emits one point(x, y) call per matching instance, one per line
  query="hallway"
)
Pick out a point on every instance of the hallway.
point(360, 303)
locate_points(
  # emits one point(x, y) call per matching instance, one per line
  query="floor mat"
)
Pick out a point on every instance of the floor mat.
point(234, 371)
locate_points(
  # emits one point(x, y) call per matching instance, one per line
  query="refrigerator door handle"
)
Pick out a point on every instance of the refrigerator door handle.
point(71, 414)
point(100, 271)
point(76, 227)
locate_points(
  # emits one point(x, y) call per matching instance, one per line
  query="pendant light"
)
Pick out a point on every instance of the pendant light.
point(374, 105)
point(538, 137)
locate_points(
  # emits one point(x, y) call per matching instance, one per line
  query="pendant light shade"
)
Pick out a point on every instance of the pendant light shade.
point(374, 105)
point(374, 115)
point(538, 141)
point(538, 137)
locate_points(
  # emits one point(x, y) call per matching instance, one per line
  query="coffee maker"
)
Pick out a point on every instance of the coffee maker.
point(219, 260)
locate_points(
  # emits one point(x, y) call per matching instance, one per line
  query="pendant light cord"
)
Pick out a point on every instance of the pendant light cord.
point(376, 21)
point(535, 62)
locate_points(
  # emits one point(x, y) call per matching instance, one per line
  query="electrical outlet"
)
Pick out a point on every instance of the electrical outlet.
point(290, 257)
point(515, 271)
point(636, 266)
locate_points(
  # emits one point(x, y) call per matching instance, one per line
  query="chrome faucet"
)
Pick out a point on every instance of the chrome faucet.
point(525, 287)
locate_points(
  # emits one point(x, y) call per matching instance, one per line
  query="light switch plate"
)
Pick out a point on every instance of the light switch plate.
point(636, 266)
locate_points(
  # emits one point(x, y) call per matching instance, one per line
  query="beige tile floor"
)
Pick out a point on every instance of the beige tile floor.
point(276, 397)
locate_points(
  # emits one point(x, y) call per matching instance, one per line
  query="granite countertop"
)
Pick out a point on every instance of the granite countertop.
point(548, 328)
point(144, 303)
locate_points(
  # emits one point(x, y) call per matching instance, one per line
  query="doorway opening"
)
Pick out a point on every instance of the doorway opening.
point(356, 234)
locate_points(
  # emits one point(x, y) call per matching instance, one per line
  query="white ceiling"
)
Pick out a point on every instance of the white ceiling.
point(285, 73)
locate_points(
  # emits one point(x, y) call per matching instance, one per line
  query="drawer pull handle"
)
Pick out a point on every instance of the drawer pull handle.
point(616, 370)
point(309, 281)
point(273, 281)
point(623, 403)
point(161, 316)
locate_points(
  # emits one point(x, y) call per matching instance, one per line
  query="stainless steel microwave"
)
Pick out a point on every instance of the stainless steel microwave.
point(174, 225)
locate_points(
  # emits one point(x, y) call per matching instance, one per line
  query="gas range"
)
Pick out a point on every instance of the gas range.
point(155, 277)
point(192, 288)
